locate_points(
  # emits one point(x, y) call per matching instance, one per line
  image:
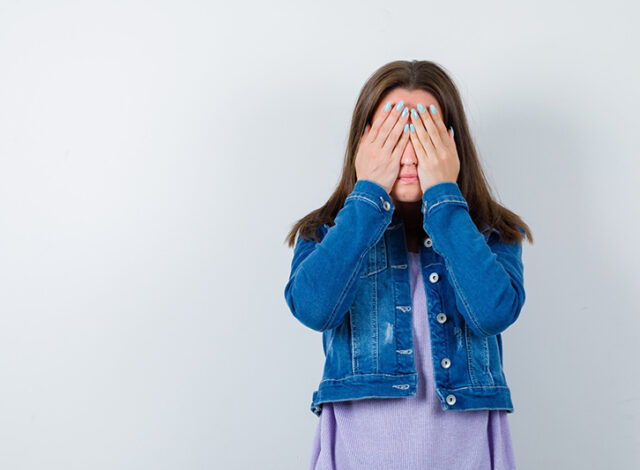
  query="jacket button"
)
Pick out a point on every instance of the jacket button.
point(445, 363)
point(386, 205)
point(451, 399)
point(427, 242)
point(433, 277)
point(441, 318)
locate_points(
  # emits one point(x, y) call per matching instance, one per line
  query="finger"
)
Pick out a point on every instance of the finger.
point(398, 150)
point(397, 130)
point(422, 135)
point(389, 123)
point(364, 138)
point(432, 128)
point(379, 119)
point(370, 133)
point(442, 129)
point(364, 133)
point(417, 146)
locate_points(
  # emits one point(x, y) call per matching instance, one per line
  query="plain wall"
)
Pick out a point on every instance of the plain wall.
point(153, 155)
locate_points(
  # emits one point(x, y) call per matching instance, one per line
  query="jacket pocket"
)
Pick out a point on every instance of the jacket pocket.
point(375, 260)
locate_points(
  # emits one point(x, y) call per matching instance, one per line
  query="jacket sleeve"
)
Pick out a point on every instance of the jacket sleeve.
point(486, 274)
point(324, 275)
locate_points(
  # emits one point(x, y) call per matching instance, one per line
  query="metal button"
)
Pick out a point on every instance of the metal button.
point(451, 399)
point(427, 242)
point(441, 318)
point(386, 205)
point(433, 277)
point(445, 363)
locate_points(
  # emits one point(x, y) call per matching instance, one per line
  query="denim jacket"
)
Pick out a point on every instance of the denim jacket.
point(353, 285)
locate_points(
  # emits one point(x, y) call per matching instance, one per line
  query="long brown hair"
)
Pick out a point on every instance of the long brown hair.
point(431, 77)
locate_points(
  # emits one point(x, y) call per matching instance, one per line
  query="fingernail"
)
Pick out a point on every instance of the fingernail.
point(414, 114)
point(387, 106)
point(399, 105)
point(405, 111)
point(433, 109)
point(413, 129)
point(421, 108)
point(406, 127)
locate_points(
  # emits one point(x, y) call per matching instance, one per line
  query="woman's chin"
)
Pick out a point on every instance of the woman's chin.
point(404, 192)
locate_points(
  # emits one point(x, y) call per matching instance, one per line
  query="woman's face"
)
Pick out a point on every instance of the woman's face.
point(407, 190)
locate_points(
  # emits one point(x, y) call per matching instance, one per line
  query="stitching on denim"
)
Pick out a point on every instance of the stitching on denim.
point(486, 348)
point(431, 264)
point(404, 351)
point(472, 375)
point(464, 299)
point(352, 278)
point(345, 290)
point(399, 266)
point(378, 266)
point(401, 386)
point(477, 386)
point(354, 363)
point(319, 403)
point(375, 316)
point(399, 376)
point(460, 202)
point(356, 196)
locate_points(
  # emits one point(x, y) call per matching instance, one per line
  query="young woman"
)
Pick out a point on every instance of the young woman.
point(411, 271)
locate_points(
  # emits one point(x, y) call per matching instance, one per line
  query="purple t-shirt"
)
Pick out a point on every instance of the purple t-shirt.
point(411, 432)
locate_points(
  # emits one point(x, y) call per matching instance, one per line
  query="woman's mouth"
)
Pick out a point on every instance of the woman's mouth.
point(409, 179)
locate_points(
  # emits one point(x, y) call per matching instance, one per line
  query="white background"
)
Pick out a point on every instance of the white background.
point(153, 155)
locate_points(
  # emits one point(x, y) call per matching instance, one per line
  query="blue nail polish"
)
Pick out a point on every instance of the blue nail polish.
point(414, 114)
point(421, 108)
point(406, 127)
point(405, 111)
point(412, 127)
point(399, 105)
point(451, 131)
point(433, 109)
point(387, 106)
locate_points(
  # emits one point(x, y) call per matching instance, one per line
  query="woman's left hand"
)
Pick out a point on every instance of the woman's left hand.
point(436, 150)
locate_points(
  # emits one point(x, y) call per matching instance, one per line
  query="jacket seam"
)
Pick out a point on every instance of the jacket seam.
point(370, 201)
point(351, 279)
point(456, 201)
point(366, 375)
point(476, 386)
point(464, 300)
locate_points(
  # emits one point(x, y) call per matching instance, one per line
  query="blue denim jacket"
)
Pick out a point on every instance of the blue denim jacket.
point(353, 285)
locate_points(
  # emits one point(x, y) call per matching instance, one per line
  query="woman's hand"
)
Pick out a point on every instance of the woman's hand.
point(436, 150)
point(381, 146)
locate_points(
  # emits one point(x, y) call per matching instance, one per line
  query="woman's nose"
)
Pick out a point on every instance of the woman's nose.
point(409, 156)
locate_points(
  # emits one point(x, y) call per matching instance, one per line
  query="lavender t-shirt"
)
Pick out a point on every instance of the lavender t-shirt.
point(411, 432)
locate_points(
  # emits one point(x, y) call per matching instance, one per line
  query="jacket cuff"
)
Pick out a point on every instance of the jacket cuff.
point(441, 194)
point(371, 192)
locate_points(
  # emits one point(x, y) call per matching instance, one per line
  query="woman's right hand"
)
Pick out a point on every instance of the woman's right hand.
point(381, 146)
